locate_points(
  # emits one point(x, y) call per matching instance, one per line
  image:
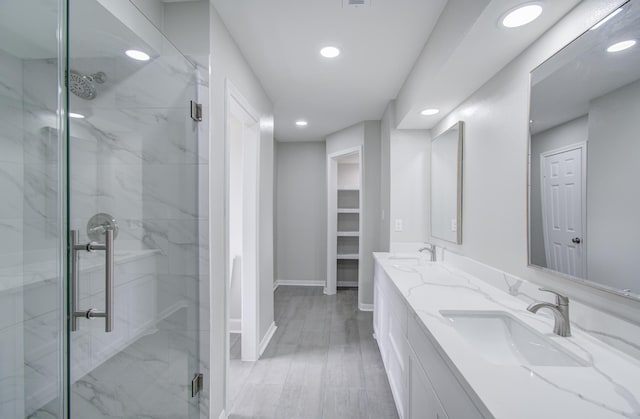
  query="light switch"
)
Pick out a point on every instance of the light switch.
point(454, 224)
point(398, 224)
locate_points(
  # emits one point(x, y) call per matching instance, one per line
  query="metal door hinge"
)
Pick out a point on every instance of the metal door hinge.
point(196, 111)
point(196, 384)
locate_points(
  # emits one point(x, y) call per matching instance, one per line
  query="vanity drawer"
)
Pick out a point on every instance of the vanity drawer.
point(453, 397)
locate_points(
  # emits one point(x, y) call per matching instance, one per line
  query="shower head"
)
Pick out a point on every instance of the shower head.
point(83, 85)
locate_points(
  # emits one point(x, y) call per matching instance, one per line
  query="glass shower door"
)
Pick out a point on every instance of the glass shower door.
point(31, 233)
point(132, 217)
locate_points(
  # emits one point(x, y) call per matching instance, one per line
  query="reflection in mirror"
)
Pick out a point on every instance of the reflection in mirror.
point(584, 205)
point(446, 184)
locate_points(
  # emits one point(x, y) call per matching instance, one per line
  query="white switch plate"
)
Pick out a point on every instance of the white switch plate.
point(398, 224)
point(454, 224)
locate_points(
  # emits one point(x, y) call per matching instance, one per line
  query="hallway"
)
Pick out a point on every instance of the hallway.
point(314, 366)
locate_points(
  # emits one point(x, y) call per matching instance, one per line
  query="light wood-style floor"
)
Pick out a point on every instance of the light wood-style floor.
point(321, 363)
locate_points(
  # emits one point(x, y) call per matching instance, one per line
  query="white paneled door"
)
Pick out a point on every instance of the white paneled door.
point(563, 206)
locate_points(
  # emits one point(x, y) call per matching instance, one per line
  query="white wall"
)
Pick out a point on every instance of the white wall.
point(348, 175)
point(301, 212)
point(387, 124)
point(404, 182)
point(495, 164)
point(613, 201)
point(365, 134)
point(571, 132)
point(186, 25)
point(410, 185)
point(227, 62)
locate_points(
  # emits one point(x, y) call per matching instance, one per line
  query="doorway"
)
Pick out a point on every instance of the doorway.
point(563, 200)
point(242, 191)
point(344, 220)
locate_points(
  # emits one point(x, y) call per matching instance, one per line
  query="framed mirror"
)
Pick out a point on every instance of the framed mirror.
point(446, 184)
point(584, 154)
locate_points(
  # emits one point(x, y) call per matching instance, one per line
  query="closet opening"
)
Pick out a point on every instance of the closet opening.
point(344, 223)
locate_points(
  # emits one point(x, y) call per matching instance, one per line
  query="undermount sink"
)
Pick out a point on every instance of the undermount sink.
point(503, 339)
point(408, 259)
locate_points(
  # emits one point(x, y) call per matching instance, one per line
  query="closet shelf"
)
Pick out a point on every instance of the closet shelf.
point(348, 233)
point(348, 256)
point(348, 210)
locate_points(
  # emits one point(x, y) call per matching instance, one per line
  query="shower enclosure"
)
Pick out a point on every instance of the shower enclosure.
point(103, 247)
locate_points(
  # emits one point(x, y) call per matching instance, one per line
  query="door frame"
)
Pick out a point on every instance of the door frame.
point(238, 106)
point(330, 286)
point(583, 213)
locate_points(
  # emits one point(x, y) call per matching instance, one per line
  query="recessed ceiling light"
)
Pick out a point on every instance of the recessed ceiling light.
point(522, 15)
point(429, 112)
point(621, 46)
point(301, 123)
point(330, 52)
point(606, 19)
point(76, 115)
point(137, 55)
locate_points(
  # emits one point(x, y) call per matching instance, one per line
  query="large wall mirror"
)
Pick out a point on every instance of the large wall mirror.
point(446, 184)
point(584, 199)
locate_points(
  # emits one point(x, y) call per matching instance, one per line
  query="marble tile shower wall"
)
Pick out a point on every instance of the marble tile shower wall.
point(11, 227)
point(29, 243)
point(139, 159)
point(138, 156)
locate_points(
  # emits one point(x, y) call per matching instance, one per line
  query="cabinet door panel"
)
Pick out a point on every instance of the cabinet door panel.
point(423, 403)
point(452, 395)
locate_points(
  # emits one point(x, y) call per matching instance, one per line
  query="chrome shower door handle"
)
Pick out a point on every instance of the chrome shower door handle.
point(108, 282)
point(74, 266)
point(92, 313)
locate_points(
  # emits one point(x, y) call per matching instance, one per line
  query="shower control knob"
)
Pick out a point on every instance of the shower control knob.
point(576, 240)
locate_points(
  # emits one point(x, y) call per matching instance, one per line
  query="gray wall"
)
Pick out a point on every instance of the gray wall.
point(613, 201)
point(367, 135)
point(571, 132)
point(301, 202)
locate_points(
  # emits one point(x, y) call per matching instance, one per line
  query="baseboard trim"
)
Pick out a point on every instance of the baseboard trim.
point(235, 326)
point(267, 338)
point(365, 307)
point(297, 283)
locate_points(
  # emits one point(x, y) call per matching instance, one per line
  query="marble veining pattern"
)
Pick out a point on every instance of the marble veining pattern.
point(607, 387)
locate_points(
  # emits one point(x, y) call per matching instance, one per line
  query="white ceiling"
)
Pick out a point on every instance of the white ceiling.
point(467, 48)
point(281, 39)
point(383, 46)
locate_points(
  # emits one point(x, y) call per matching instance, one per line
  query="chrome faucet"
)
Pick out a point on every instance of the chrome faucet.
point(560, 311)
point(431, 249)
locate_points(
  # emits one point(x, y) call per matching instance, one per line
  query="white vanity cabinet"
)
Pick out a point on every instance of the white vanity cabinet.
point(422, 401)
point(390, 328)
point(423, 385)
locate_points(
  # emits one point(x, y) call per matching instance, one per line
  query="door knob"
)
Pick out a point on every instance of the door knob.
point(576, 240)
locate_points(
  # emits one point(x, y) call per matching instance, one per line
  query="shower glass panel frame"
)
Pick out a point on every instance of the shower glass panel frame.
point(85, 131)
point(133, 165)
point(32, 230)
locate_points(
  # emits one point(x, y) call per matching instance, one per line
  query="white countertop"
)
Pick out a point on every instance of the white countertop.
point(608, 387)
